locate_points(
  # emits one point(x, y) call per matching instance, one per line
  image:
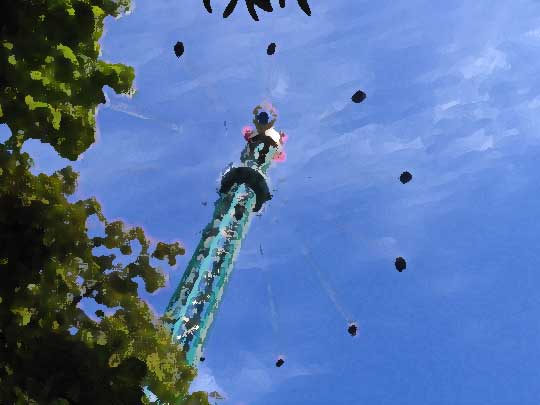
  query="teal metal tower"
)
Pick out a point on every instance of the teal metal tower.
point(243, 192)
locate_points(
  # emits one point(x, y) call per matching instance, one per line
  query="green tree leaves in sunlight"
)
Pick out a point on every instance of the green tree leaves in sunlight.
point(52, 80)
point(51, 351)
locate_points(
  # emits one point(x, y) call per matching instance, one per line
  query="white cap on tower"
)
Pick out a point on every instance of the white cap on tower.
point(272, 133)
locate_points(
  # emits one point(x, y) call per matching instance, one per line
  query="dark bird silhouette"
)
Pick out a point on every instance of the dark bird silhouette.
point(280, 362)
point(352, 329)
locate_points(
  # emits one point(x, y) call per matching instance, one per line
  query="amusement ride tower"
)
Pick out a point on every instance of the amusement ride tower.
point(244, 190)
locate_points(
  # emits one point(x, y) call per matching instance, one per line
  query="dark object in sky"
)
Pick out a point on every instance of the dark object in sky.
point(400, 264)
point(202, 359)
point(405, 177)
point(271, 49)
point(302, 3)
point(265, 5)
point(260, 249)
point(204, 203)
point(352, 329)
point(358, 97)
point(280, 362)
point(179, 49)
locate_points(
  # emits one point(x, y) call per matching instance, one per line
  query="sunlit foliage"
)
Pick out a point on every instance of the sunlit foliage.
point(51, 351)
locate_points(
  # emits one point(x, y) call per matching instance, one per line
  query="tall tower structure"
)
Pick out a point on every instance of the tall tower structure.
point(243, 191)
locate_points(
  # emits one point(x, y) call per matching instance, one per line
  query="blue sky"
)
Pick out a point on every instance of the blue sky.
point(453, 96)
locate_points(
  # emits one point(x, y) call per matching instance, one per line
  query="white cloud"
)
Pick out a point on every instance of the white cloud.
point(486, 64)
point(534, 103)
point(396, 145)
point(309, 150)
point(337, 106)
point(446, 106)
point(533, 34)
point(208, 79)
point(429, 197)
point(441, 110)
point(121, 107)
point(478, 141)
point(280, 90)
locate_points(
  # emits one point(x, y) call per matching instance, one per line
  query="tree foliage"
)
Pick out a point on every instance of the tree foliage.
point(51, 77)
point(50, 85)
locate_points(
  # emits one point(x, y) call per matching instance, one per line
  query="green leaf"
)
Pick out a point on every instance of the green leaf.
point(24, 313)
point(67, 52)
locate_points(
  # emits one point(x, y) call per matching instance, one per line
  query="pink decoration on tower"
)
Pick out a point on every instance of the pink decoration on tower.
point(247, 132)
point(283, 137)
point(280, 156)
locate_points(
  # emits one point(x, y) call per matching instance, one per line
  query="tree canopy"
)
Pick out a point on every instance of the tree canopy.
point(51, 78)
point(51, 351)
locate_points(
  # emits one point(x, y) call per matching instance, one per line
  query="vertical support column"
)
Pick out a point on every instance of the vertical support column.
point(192, 307)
